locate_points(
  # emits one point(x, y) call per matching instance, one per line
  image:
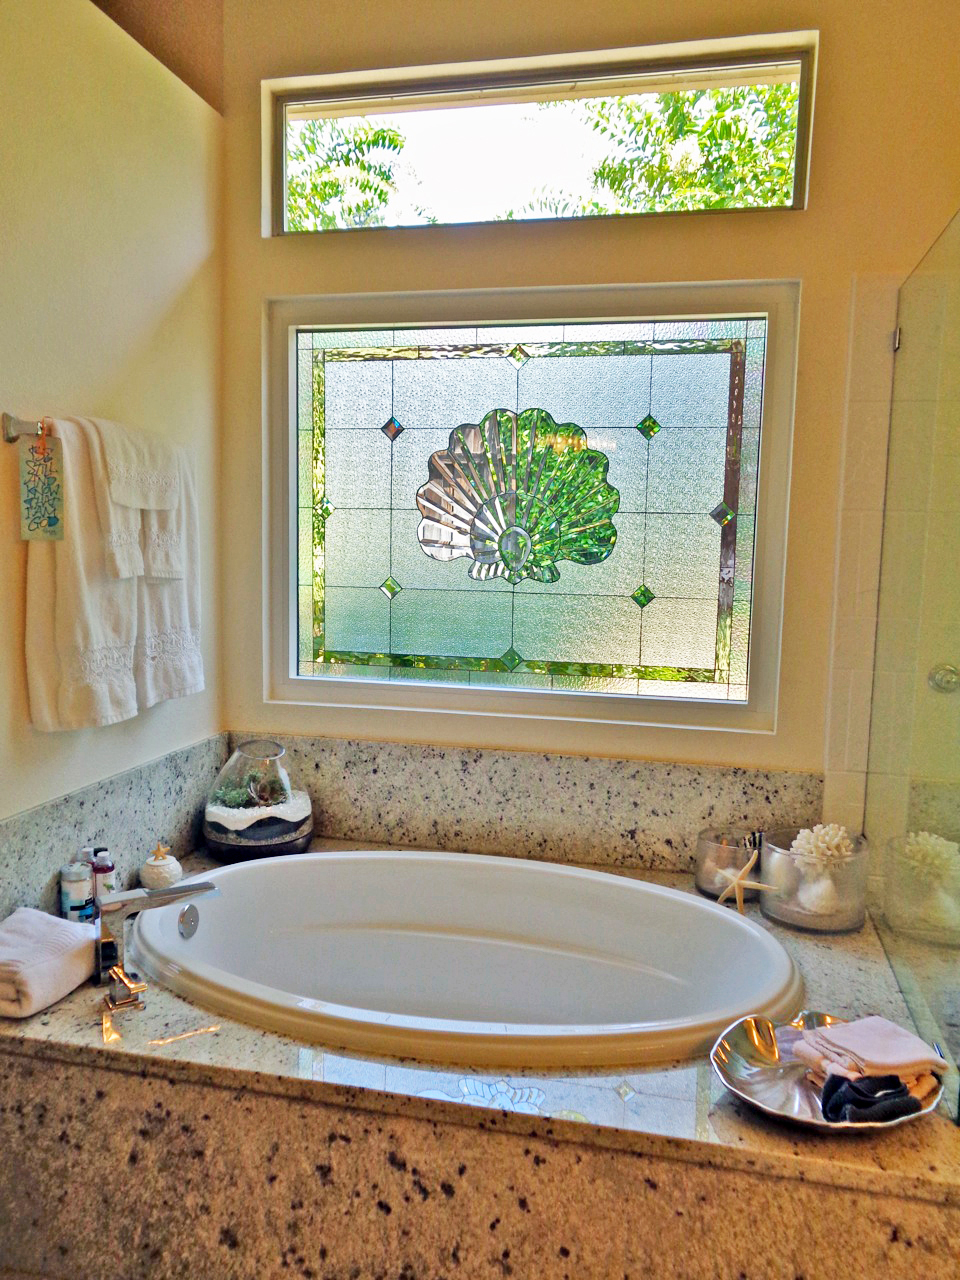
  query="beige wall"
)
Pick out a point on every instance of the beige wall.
point(885, 177)
point(110, 292)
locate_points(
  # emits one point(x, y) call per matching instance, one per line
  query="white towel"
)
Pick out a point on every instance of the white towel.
point(81, 625)
point(42, 959)
point(138, 489)
point(142, 469)
point(167, 659)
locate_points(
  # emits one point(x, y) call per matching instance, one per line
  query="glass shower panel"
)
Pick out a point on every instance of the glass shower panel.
point(913, 784)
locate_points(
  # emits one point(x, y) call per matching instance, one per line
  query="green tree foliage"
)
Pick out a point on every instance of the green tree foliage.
point(340, 174)
point(699, 149)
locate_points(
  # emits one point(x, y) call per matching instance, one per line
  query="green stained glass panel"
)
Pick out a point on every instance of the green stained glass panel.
point(357, 552)
point(685, 470)
point(690, 391)
point(357, 394)
point(679, 633)
point(355, 477)
point(356, 620)
point(595, 392)
point(682, 556)
point(449, 623)
point(441, 394)
point(566, 628)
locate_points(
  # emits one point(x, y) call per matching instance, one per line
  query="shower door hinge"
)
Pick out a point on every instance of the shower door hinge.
point(896, 338)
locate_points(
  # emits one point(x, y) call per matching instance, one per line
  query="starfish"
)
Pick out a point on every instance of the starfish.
point(739, 882)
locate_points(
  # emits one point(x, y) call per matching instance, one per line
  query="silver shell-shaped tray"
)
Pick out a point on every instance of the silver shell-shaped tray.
point(758, 1066)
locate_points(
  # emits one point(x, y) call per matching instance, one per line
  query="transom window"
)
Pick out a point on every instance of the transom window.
point(562, 506)
point(614, 133)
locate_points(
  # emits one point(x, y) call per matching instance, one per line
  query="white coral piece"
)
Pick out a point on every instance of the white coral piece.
point(825, 845)
point(930, 857)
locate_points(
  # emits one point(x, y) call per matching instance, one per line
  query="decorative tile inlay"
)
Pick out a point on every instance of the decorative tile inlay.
point(648, 426)
point(643, 595)
point(391, 428)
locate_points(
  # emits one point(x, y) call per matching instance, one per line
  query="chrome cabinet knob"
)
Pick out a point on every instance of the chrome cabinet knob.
point(944, 678)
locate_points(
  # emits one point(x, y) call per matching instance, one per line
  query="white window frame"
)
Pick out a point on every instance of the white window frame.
point(458, 706)
point(637, 69)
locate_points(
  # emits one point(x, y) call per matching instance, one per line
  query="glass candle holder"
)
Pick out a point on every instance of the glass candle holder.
point(823, 894)
point(252, 810)
point(922, 890)
point(721, 853)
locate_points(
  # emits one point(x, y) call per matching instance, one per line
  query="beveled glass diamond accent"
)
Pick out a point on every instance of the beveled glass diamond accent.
point(511, 659)
point(722, 514)
point(625, 1090)
point(326, 509)
point(390, 587)
point(391, 428)
point(518, 356)
point(643, 595)
point(648, 426)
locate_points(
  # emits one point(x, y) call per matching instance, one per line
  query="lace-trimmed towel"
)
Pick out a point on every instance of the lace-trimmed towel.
point(99, 646)
point(138, 490)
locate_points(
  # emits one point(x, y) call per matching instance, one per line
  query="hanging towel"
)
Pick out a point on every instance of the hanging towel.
point(167, 659)
point(42, 959)
point(142, 469)
point(81, 625)
point(138, 490)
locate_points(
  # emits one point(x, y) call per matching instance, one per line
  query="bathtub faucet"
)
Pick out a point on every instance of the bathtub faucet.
point(114, 909)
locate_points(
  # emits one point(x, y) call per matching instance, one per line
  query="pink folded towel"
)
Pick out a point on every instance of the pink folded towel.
point(42, 959)
point(867, 1047)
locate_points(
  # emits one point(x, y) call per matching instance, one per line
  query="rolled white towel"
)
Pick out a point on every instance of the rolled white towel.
point(42, 959)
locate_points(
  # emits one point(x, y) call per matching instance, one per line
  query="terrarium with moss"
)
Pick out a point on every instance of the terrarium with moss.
point(252, 810)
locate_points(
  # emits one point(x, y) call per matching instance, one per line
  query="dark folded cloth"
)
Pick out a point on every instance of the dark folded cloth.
point(869, 1098)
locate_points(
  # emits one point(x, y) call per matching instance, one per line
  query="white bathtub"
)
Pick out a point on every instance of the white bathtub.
point(457, 958)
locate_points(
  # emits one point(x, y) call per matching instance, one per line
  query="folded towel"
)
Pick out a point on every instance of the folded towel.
point(81, 625)
point(870, 1047)
point(875, 1098)
point(119, 525)
point(142, 469)
point(42, 959)
point(167, 661)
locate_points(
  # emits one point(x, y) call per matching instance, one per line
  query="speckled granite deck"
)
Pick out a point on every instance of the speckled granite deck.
point(215, 1148)
point(128, 813)
point(609, 813)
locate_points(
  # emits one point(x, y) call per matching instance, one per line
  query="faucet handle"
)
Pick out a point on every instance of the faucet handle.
point(125, 990)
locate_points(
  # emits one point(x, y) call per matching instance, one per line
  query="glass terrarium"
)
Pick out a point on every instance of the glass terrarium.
point(252, 811)
point(817, 878)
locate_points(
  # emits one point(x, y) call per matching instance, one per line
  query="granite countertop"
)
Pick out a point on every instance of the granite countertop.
point(679, 1111)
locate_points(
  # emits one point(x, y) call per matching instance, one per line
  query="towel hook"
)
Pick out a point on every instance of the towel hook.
point(14, 428)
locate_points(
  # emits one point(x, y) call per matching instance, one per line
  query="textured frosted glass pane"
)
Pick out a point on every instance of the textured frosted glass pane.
point(457, 336)
point(740, 634)
point(412, 567)
point(354, 338)
point(304, 390)
point(756, 328)
point(753, 384)
point(682, 557)
point(626, 451)
point(608, 332)
point(305, 546)
point(576, 628)
point(685, 470)
point(430, 675)
point(411, 458)
point(712, 329)
point(356, 620)
point(691, 391)
point(682, 689)
point(357, 393)
point(304, 468)
point(446, 623)
point(679, 633)
point(357, 548)
point(620, 574)
point(749, 467)
point(737, 693)
point(745, 525)
point(521, 333)
point(305, 624)
point(512, 679)
point(595, 684)
point(447, 393)
point(355, 670)
point(592, 391)
point(358, 469)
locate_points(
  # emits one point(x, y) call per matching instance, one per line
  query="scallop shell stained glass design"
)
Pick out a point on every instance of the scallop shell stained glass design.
point(516, 493)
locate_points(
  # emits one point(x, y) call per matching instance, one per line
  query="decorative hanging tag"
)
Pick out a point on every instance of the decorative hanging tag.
point(41, 487)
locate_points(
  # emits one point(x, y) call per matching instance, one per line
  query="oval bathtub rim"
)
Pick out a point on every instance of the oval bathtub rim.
point(371, 1033)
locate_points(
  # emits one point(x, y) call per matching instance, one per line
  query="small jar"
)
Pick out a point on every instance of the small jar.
point(824, 894)
point(76, 892)
point(720, 855)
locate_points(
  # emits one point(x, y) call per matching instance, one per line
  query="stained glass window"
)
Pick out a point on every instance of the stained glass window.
point(556, 506)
